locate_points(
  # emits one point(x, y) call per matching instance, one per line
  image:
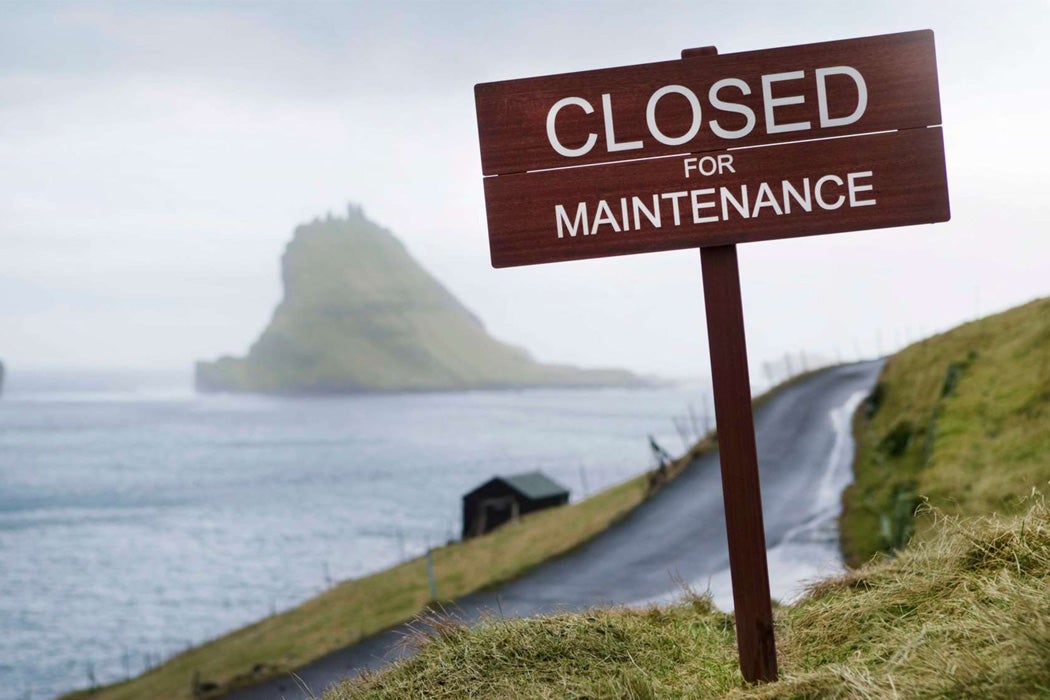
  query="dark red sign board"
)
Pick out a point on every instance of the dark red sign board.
point(536, 132)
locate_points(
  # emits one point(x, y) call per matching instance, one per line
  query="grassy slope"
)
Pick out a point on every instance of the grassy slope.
point(359, 608)
point(964, 615)
point(962, 611)
point(961, 419)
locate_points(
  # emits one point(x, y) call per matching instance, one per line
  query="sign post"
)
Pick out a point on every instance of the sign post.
point(707, 152)
point(736, 452)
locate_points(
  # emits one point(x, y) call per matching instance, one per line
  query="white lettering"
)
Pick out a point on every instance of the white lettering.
point(819, 191)
point(674, 197)
point(765, 198)
point(740, 205)
point(718, 103)
point(822, 95)
point(709, 165)
point(771, 102)
point(626, 222)
point(552, 134)
point(580, 222)
point(854, 188)
point(610, 132)
point(718, 203)
point(653, 215)
point(604, 215)
point(650, 115)
point(698, 205)
point(805, 202)
point(727, 97)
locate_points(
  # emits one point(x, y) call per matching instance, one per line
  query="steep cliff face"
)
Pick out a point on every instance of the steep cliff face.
point(360, 315)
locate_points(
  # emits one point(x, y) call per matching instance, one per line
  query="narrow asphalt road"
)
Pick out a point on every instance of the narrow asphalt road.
point(678, 535)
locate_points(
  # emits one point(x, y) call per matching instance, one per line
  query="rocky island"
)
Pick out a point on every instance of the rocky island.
point(360, 315)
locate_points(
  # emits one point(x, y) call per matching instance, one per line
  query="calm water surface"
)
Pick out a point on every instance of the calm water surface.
point(136, 522)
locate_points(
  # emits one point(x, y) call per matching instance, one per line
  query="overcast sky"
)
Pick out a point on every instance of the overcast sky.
point(156, 158)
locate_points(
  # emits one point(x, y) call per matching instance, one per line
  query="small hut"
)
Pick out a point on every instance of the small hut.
point(504, 498)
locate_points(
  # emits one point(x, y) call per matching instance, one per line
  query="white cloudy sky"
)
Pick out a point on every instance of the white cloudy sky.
point(156, 157)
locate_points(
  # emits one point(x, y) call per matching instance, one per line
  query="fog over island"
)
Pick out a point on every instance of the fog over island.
point(359, 315)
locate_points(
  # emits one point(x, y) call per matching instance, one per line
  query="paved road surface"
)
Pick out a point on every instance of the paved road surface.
point(679, 534)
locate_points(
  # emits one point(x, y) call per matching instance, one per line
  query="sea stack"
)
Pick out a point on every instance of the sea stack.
point(360, 315)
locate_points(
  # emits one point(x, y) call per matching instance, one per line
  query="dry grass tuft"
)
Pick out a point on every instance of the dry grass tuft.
point(965, 614)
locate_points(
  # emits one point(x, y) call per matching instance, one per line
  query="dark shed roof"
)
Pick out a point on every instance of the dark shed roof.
point(535, 485)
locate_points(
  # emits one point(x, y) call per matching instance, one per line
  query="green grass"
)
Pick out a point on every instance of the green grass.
point(965, 614)
point(961, 420)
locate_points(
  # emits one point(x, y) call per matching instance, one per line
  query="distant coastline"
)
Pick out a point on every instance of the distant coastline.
point(635, 382)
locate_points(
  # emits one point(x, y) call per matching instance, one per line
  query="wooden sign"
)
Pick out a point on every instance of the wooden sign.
point(707, 152)
point(713, 191)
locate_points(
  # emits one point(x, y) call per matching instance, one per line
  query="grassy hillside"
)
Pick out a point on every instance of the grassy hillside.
point(359, 314)
point(962, 611)
point(961, 420)
point(964, 615)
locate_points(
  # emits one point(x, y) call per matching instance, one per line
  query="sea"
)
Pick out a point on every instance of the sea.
point(138, 518)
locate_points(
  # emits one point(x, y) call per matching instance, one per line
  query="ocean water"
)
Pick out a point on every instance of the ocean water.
point(137, 518)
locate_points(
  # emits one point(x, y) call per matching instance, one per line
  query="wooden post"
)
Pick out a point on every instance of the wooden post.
point(735, 427)
point(736, 448)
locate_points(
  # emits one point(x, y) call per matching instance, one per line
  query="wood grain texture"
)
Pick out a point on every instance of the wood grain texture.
point(736, 451)
point(899, 69)
point(908, 176)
